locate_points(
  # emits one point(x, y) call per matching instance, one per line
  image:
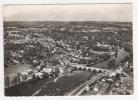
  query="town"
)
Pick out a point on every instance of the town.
point(68, 58)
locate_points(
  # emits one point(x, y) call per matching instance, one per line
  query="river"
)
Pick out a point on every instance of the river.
point(120, 56)
point(67, 81)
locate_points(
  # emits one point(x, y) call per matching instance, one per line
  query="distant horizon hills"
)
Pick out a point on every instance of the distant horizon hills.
point(76, 21)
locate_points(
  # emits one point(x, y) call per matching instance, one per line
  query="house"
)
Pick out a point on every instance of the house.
point(61, 70)
point(48, 70)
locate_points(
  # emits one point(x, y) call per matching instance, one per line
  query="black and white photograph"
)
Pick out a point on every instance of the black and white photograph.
point(68, 49)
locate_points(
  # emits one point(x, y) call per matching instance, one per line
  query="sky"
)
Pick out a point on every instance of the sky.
point(82, 12)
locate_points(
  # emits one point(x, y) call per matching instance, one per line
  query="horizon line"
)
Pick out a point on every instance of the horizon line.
point(64, 21)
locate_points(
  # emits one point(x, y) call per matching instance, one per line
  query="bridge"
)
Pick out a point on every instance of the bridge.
point(83, 67)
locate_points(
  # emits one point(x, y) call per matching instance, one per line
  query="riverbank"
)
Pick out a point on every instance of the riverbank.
point(27, 88)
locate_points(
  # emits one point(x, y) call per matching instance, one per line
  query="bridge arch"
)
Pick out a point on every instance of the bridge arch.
point(79, 68)
point(89, 69)
point(84, 69)
point(94, 70)
point(99, 71)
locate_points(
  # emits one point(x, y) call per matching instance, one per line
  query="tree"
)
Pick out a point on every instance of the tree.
point(111, 64)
